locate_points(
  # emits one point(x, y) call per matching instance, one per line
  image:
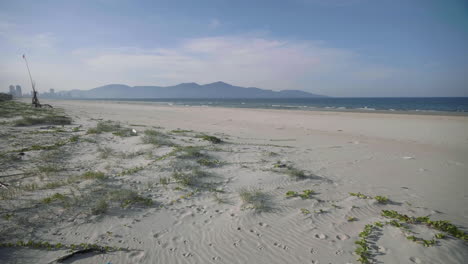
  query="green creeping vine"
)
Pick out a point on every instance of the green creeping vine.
point(306, 194)
point(379, 198)
point(363, 249)
point(440, 225)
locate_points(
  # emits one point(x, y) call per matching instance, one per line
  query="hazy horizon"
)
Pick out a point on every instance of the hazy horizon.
point(354, 48)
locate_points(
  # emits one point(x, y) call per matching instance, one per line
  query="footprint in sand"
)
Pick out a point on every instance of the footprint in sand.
point(276, 244)
point(187, 254)
point(137, 255)
point(342, 237)
point(381, 249)
point(415, 260)
point(320, 236)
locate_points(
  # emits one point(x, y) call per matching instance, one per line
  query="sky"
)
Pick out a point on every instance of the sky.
point(345, 48)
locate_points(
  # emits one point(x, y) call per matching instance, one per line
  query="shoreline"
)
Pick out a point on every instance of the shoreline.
point(168, 103)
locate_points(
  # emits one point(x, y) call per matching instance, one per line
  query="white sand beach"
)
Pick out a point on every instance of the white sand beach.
point(419, 162)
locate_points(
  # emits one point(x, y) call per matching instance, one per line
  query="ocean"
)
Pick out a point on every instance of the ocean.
point(432, 104)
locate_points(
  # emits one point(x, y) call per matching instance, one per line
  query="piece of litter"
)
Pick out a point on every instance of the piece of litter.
point(134, 131)
point(408, 158)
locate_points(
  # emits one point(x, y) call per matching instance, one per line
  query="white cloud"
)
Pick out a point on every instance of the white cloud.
point(241, 60)
point(244, 60)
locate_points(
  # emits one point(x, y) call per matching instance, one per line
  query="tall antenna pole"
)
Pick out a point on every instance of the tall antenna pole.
point(27, 66)
point(35, 100)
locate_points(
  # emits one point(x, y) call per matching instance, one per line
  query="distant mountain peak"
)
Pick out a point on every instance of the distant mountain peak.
point(219, 83)
point(217, 89)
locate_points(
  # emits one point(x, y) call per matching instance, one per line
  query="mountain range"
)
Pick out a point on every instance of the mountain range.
point(186, 90)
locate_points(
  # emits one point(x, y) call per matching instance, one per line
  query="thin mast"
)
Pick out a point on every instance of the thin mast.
point(27, 66)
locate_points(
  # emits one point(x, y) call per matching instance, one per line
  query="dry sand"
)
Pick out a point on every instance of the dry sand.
point(418, 161)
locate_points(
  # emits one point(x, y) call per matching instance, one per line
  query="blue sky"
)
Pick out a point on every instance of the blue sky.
point(333, 47)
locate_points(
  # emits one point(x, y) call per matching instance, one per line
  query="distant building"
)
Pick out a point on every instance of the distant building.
point(19, 93)
point(12, 90)
point(52, 91)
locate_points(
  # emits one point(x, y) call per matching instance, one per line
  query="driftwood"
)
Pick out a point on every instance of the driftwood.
point(78, 252)
point(4, 185)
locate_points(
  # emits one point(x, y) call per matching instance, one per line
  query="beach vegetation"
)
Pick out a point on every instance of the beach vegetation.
point(132, 155)
point(193, 178)
point(381, 199)
point(291, 194)
point(105, 126)
point(100, 207)
point(180, 131)
point(218, 199)
point(352, 219)
point(8, 216)
point(191, 152)
point(360, 195)
point(124, 132)
point(53, 185)
point(42, 147)
point(379, 224)
point(156, 138)
point(128, 198)
point(164, 180)
point(48, 169)
point(306, 194)
point(363, 246)
point(208, 162)
point(29, 187)
point(395, 223)
point(105, 152)
point(8, 194)
point(255, 199)
point(54, 197)
point(212, 139)
point(98, 175)
point(133, 170)
point(74, 138)
point(295, 173)
point(50, 119)
point(428, 243)
point(9, 109)
point(440, 225)
point(305, 211)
